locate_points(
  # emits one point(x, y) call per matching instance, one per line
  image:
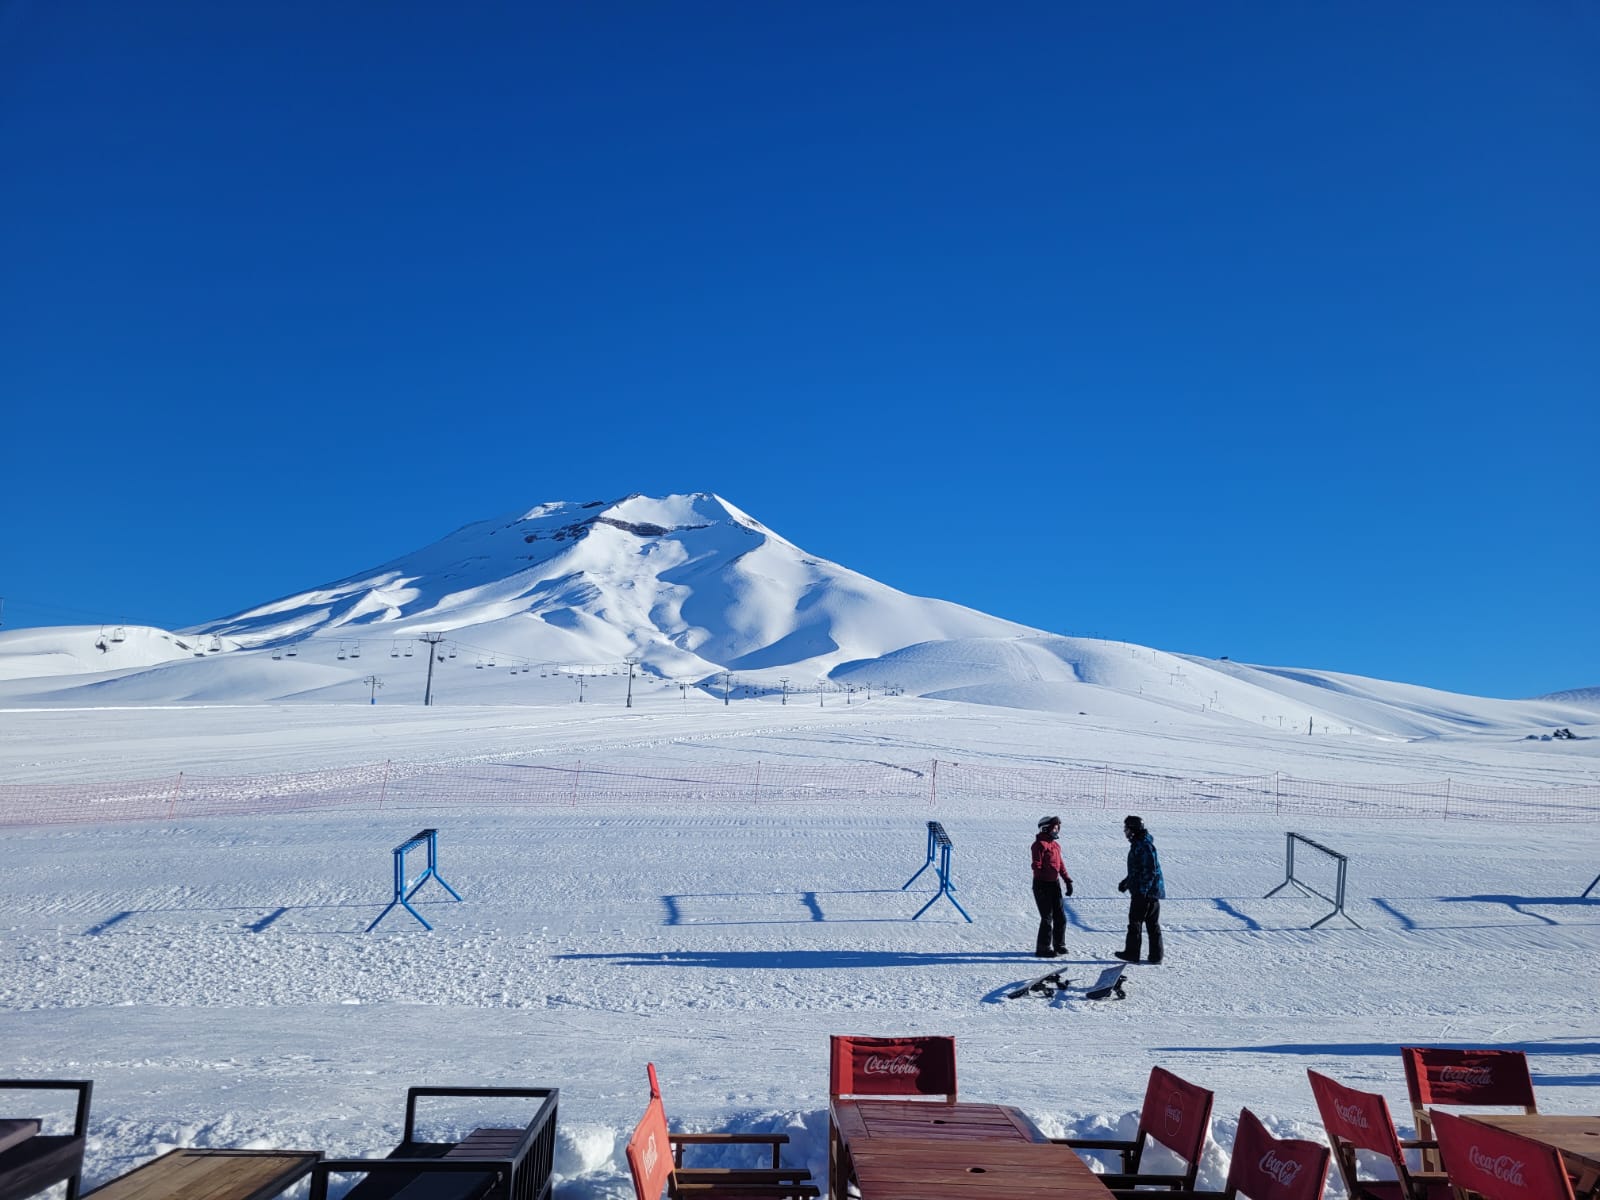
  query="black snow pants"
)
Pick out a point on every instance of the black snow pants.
point(1143, 911)
point(1052, 917)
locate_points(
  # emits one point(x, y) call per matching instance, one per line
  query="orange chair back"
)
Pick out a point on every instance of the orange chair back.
point(1177, 1114)
point(1437, 1076)
point(649, 1152)
point(1499, 1165)
point(1269, 1168)
point(904, 1066)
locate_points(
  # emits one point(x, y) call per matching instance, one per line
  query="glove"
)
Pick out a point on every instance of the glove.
point(1066, 885)
point(1123, 886)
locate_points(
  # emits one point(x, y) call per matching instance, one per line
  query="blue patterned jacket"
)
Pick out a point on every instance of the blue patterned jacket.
point(1144, 869)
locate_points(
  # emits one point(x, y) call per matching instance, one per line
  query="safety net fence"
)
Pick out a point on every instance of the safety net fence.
point(927, 785)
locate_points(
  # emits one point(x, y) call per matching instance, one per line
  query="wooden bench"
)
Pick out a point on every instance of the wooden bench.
point(490, 1163)
point(31, 1161)
point(187, 1174)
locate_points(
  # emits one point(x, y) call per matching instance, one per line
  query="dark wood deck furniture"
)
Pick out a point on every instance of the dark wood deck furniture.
point(491, 1163)
point(39, 1160)
point(188, 1174)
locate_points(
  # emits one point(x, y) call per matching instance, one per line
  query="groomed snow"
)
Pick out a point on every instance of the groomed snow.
point(213, 979)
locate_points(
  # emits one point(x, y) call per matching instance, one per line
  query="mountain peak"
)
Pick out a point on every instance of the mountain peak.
point(688, 583)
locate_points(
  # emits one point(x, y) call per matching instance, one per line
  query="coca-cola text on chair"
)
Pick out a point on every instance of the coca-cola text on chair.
point(886, 1068)
point(1264, 1167)
point(1465, 1078)
point(1360, 1121)
point(1175, 1113)
point(1498, 1165)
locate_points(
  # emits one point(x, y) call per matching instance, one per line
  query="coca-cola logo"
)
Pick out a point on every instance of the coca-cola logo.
point(1352, 1114)
point(1174, 1113)
point(900, 1064)
point(1502, 1166)
point(651, 1154)
point(1477, 1076)
point(1283, 1170)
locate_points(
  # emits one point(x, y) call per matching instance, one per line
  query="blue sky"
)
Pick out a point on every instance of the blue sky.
point(1258, 330)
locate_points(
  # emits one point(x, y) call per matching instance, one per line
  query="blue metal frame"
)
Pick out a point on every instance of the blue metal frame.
point(938, 845)
point(1590, 888)
point(403, 889)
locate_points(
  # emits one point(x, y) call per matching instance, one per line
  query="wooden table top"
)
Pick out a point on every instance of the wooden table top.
point(917, 1169)
point(868, 1120)
point(211, 1175)
point(1577, 1137)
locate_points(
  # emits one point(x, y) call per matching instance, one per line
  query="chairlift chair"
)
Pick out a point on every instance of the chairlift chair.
point(394, 650)
point(119, 634)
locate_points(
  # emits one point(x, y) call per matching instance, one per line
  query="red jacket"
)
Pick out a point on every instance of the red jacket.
point(1047, 863)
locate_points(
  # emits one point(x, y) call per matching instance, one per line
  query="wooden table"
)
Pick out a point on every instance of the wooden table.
point(1578, 1139)
point(211, 1175)
point(860, 1120)
point(911, 1150)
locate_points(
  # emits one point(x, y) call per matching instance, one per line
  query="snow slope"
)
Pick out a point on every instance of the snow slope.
point(213, 979)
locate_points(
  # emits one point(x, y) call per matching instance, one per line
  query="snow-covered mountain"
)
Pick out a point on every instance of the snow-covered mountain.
point(551, 605)
point(689, 585)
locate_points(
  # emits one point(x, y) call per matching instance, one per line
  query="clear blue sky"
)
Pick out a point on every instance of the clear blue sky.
point(1261, 330)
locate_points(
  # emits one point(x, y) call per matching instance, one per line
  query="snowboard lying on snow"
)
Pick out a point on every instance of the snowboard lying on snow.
point(1110, 983)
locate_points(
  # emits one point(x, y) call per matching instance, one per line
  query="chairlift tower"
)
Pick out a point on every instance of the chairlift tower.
point(431, 640)
point(373, 684)
point(784, 684)
point(631, 663)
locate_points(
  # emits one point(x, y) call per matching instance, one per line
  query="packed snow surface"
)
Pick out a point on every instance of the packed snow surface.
point(214, 980)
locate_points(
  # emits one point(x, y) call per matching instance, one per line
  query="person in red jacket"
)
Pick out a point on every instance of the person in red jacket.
point(1049, 879)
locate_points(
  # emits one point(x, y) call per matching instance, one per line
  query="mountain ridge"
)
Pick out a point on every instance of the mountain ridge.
point(687, 591)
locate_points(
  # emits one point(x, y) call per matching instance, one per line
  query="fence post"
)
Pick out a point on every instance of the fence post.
point(577, 774)
point(1277, 799)
point(383, 788)
point(177, 786)
point(758, 781)
point(1447, 797)
point(933, 784)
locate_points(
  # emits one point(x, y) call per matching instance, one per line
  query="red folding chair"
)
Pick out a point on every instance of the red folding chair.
point(1264, 1167)
point(1468, 1078)
point(1498, 1165)
point(885, 1068)
point(1177, 1114)
point(655, 1160)
point(1360, 1121)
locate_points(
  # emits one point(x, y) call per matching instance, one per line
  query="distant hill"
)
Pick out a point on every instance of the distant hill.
point(688, 594)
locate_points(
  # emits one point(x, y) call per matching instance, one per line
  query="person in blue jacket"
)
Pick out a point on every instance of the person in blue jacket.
point(1145, 889)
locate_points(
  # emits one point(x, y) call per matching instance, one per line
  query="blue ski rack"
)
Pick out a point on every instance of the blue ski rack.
point(404, 889)
point(939, 859)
